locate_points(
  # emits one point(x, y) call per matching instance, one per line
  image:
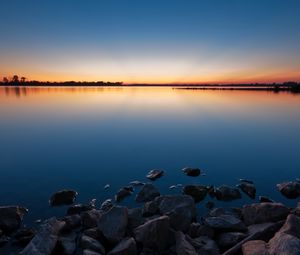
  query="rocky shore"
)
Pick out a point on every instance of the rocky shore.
point(162, 224)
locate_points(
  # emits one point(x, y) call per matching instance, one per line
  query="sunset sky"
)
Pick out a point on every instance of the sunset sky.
point(151, 41)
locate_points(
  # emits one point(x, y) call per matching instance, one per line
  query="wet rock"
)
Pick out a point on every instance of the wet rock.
point(284, 244)
point(150, 208)
point(190, 171)
point(94, 233)
point(123, 193)
point(155, 174)
point(11, 217)
point(264, 212)
point(291, 226)
point(227, 193)
point(264, 231)
point(137, 183)
point(196, 229)
point(79, 208)
point(45, 240)
point(225, 223)
point(296, 210)
point(215, 212)
point(246, 180)
point(68, 244)
point(90, 219)
point(89, 252)
point(89, 243)
point(113, 224)
point(255, 247)
point(197, 192)
point(263, 199)
point(72, 222)
point(229, 239)
point(289, 189)
point(135, 218)
point(106, 205)
point(181, 210)
point(24, 236)
point(248, 188)
point(63, 197)
point(205, 246)
point(125, 247)
point(154, 233)
point(147, 193)
point(183, 246)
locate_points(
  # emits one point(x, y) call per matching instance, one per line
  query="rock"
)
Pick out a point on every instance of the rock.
point(123, 193)
point(72, 222)
point(196, 229)
point(11, 217)
point(246, 180)
point(94, 233)
point(113, 224)
point(137, 183)
point(90, 219)
point(181, 210)
point(225, 223)
point(4, 240)
point(68, 244)
point(155, 174)
point(89, 252)
point(205, 246)
point(79, 208)
point(63, 197)
point(89, 243)
point(248, 188)
point(107, 186)
point(289, 189)
point(125, 247)
point(183, 247)
point(284, 244)
point(147, 193)
point(229, 239)
point(255, 247)
point(197, 192)
point(150, 208)
point(135, 218)
point(227, 193)
point(24, 236)
point(296, 210)
point(189, 171)
point(209, 205)
point(263, 199)
point(106, 205)
point(264, 212)
point(291, 226)
point(211, 191)
point(154, 233)
point(45, 240)
point(264, 231)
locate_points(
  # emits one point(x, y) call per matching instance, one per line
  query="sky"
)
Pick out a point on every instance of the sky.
point(151, 41)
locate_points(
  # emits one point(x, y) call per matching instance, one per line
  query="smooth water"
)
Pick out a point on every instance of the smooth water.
point(84, 138)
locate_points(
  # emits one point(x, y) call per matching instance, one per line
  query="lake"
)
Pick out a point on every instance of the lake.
point(84, 138)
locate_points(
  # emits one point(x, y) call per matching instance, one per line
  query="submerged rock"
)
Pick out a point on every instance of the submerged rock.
point(63, 197)
point(246, 180)
point(137, 183)
point(155, 174)
point(289, 189)
point(197, 192)
point(227, 193)
point(11, 217)
point(147, 193)
point(123, 193)
point(190, 171)
point(125, 247)
point(248, 188)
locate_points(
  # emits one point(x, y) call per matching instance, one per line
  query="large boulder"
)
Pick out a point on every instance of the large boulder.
point(248, 188)
point(227, 193)
point(23, 236)
point(284, 244)
point(229, 239)
point(106, 205)
point(196, 229)
point(113, 224)
point(264, 212)
point(289, 189)
point(292, 226)
point(68, 243)
point(135, 218)
point(125, 247)
point(225, 223)
point(147, 193)
point(44, 242)
point(197, 192)
point(79, 208)
point(63, 197)
point(255, 247)
point(190, 171)
point(89, 243)
point(155, 174)
point(11, 217)
point(204, 245)
point(183, 246)
point(123, 193)
point(90, 219)
point(154, 234)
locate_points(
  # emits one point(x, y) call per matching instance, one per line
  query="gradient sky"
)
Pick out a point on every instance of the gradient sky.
point(151, 41)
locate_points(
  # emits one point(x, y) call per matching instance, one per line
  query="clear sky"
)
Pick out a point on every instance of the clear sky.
point(151, 41)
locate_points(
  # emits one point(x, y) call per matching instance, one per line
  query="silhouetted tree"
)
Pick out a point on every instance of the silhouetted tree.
point(15, 79)
point(23, 79)
point(5, 80)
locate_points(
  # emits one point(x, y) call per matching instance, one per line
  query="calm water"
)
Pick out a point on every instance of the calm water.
point(84, 138)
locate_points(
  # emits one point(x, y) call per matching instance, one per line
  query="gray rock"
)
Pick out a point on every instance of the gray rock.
point(125, 247)
point(284, 244)
point(113, 224)
point(72, 222)
point(155, 174)
point(135, 218)
point(63, 197)
point(183, 247)
point(154, 234)
point(90, 219)
point(197, 192)
point(196, 229)
point(255, 247)
point(205, 246)
point(44, 242)
point(229, 239)
point(94, 233)
point(147, 193)
point(225, 223)
point(289, 189)
point(123, 193)
point(11, 217)
point(150, 208)
point(248, 188)
point(227, 193)
point(190, 171)
point(89, 252)
point(68, 243)
point(106, 205)
point(292, 226)
point(264, 212)
point(137, 183)
point(79, 208)
point(89, 243)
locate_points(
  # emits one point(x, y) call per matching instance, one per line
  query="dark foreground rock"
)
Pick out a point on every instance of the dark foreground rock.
point(197, 192)
point(289, 189)
point(147, 193)
point(11, 217)
point(248, 188)
point(63, 197)
point(190, 171)
point(227, 193)
point(125, 247)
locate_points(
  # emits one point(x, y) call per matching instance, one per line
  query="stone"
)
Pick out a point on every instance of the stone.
point(190, 171)
point(11, 217)
point(123, 193)
point(90, 219)
point(150, 208)
point(264, 212)
point(94, 233)
point(72, 222)
point(24, 236)
point(63, 197)
point(289, 189)
point(197, 192)
point(229, 239)
point(135, 218)
point(68, 243)
point(79, 208)
point(113, 224)
point(125, 247)
point(196, 229)
point(45, 240)
point(205, 246)
point(292, 226)
point(155, 174)
point(147, 193)
point(225, 223)
point(246, 180)
point(227, 193)
point(264, 199)
point(154, 234)
point(106, 205)
point(137, 183)
point(92, 244)
point(183, 246)
point(89, 252)
point(284, 244)
point(248, 188)
point(255, 247)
